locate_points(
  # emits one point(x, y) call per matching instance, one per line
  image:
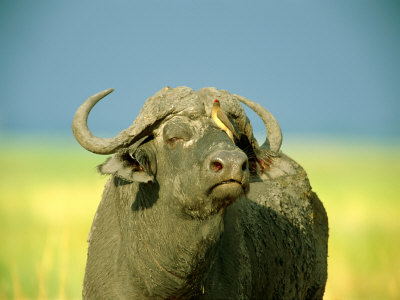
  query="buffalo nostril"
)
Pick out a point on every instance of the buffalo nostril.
point(244, 166)
point(216, 166)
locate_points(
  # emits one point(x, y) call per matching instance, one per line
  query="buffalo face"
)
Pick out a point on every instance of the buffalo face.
point(195, 164)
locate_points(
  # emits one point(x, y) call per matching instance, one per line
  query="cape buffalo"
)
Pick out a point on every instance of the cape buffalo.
point(191, 213)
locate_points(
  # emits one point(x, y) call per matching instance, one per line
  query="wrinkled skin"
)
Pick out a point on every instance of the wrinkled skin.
point(173, 224)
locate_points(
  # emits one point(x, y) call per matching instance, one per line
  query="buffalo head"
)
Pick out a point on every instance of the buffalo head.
point(175, 144)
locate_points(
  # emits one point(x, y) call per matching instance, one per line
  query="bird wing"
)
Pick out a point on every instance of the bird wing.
point(224, 119)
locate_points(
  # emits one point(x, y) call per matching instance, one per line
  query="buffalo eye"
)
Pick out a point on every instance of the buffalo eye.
point(176, 130)
point(171, 142)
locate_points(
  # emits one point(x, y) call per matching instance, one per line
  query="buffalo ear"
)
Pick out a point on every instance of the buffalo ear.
point(272, 167)
point(125, 167)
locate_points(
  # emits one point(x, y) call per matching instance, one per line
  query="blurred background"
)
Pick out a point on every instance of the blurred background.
point(328, 71)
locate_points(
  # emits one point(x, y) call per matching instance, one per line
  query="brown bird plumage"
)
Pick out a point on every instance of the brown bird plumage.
point(222, 120)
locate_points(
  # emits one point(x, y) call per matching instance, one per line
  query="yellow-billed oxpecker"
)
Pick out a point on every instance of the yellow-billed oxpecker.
point(222, 120)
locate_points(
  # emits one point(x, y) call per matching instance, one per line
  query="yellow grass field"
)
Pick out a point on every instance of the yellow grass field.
point(49, 194)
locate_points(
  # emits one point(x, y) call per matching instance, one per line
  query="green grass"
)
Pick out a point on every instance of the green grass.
point(49, 194)
point(48, 197)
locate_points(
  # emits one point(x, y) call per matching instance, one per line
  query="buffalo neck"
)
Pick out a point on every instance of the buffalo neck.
point(176, 250)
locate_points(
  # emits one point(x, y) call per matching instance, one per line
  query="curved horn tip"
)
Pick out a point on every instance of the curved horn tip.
point(108, 91)
point(82, 133)
point(273, 141)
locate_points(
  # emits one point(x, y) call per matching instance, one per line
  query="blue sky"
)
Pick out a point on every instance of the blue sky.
point(321, 67)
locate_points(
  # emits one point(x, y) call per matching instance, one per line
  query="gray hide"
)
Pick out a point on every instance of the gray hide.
point(189, 214)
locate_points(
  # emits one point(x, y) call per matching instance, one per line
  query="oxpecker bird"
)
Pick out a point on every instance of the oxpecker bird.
point(222, 120)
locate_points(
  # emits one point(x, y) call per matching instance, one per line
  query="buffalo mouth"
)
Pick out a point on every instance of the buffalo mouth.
point(227, 191)
point(230, 181)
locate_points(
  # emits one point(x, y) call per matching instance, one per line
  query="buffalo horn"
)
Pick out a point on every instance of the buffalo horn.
point(274, 135)
point(86, 138)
